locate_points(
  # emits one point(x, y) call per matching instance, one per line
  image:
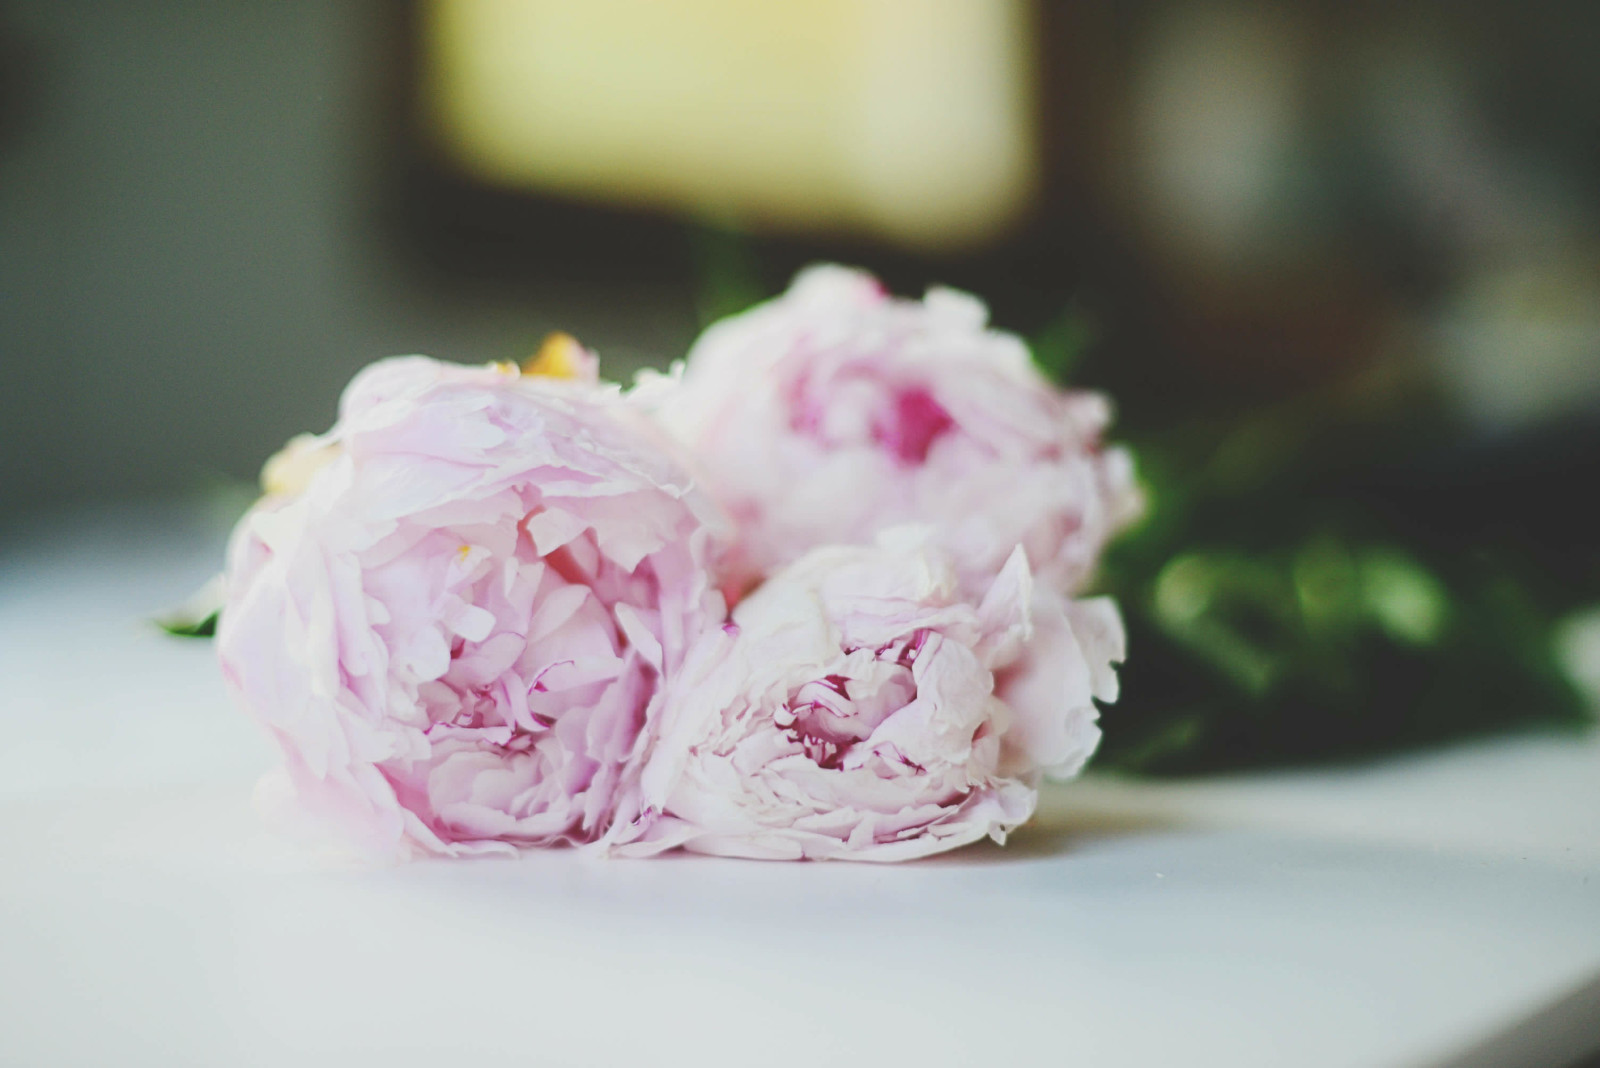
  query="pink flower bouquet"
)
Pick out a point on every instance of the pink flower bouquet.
point(486, 610)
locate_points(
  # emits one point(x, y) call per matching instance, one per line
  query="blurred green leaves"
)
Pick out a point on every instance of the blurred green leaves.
point(1062, 343)
point(727, 274)
point(1276, 616)
point(190, 627)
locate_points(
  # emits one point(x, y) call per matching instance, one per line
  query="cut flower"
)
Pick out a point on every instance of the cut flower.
point(836, 411)
point(455, 625)
point(850, 712)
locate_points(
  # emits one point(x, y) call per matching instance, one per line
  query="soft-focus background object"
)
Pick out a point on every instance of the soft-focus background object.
point(907, 120)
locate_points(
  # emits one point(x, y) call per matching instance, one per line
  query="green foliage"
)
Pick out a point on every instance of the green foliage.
point(1275, 616)
point(197, 616)
point(726, 272)
point(1061, 345)
point(190, 627)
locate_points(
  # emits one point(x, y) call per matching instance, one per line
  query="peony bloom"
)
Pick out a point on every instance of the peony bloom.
point(455, 613)
point(850, 711)
point(836, 411)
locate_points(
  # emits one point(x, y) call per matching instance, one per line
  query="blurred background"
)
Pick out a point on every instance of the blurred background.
point(1338, 263)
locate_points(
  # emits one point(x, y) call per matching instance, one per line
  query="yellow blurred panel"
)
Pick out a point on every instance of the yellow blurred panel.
point(910, 119)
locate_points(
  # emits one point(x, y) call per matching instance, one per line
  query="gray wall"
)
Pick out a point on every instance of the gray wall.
point(192, 254)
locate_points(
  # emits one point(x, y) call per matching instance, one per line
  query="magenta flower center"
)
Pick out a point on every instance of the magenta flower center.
point(855, 408)
point(831, 716)
point(914, 422)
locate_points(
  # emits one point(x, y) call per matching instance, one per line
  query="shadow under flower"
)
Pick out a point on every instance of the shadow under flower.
point(1058, 829)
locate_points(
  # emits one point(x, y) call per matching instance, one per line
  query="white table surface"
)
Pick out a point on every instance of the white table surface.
point(1421, 911)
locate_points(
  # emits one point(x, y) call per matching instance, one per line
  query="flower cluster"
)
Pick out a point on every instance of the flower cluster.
point(812, 595)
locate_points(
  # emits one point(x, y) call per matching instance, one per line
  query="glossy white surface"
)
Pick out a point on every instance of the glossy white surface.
point(1391, 915)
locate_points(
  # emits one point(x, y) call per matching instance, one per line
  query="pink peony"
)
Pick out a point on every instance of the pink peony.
point(850, 712)
point(835, 411)
point(455, 614)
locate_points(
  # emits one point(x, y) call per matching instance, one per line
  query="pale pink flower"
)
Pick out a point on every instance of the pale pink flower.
point(455, 622)
point(836, 411)
point(849, 711)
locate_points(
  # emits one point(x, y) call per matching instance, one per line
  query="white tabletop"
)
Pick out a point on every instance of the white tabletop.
point(1435, 910)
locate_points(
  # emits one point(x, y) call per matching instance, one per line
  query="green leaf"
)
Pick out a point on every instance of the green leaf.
point(1059, 348)
point(197, 616)
point(727, 273)
point(190, 628)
